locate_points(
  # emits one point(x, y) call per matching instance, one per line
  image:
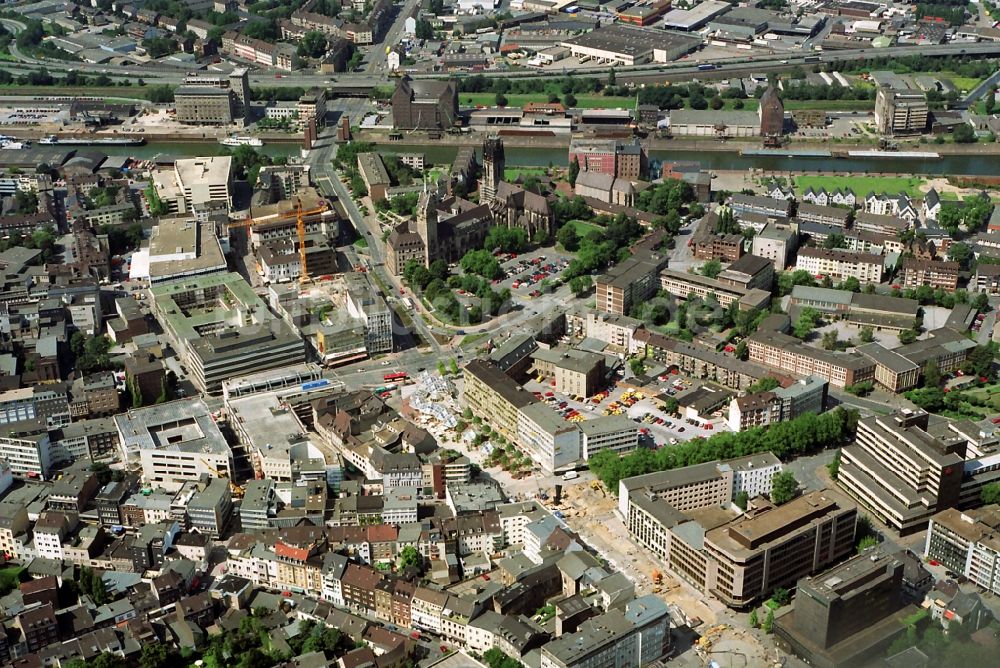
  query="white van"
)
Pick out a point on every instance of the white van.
point(570, 475)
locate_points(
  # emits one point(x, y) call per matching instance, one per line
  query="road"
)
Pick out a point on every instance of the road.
point(377, 58)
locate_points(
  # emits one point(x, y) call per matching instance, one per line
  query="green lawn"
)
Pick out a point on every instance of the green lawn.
point(861, 185)
point(469, 339)
point(584, 228)
point(520, 99)
point(830, 105)
point(959, 82)
point(511, 173)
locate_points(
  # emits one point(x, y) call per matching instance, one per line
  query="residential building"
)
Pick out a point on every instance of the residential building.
point(494, 397)
point(682, 284)
point(840, 264)
point(374, 175)
point(628, 283)
point(834, 216)
point(967, 543)
point(574, 372)
point(891, 224)
point(760, 205)
point(986, 279)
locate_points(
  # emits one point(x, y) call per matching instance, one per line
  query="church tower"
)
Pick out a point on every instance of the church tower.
point(493, 167)
point(427, 223)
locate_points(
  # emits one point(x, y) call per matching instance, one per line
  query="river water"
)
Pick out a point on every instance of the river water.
point(984, 165)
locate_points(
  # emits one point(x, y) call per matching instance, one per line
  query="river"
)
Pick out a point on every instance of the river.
point(723, 160)
point(713, 160)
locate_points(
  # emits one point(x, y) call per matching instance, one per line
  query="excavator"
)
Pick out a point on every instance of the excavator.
point(299, 214)
point(237, 490)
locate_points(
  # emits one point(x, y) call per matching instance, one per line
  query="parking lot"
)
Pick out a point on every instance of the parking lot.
point(524, 272)
point(657, 426)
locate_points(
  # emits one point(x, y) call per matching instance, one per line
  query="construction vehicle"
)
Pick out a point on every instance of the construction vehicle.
point(237, 490)
point(299, 214)
point(657, 577)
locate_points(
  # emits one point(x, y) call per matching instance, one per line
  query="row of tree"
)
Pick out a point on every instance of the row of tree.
point(786, 440)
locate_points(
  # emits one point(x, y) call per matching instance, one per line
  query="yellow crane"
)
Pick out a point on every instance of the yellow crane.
point(237, 490)
point(299, 214)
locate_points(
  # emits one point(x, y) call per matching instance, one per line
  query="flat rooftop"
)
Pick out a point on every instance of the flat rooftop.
point(185, 425)
point(215, 169)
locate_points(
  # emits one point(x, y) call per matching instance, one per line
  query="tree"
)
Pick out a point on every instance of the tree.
point(781, 596)
point(866, 543)
point(409, 557)
point(769, 621)
point(765, 384)
point(453, 366)
point(990, 493)
point(637, 366)
point(783, 487)
point(834, 467)
point(711, 269)
point(424, 29)
point(867, 335)
point(830, 340)
point(495, 658)
point(574, 170)
point(581, 285)
point(612, 79)
point(963, 134)
point(155, 655)
point(312, 45)
point(568, 238)
point(753, 619)
point(741, 499)
point(569, 100)
point(501, 100)
point(808, 319)
point(442, 369)
point(907, 336)
point(932, 374)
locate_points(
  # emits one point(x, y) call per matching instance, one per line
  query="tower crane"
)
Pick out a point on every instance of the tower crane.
point(299, 214)
point(237, 490)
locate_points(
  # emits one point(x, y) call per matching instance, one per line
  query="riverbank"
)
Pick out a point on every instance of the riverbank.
point(474, 139)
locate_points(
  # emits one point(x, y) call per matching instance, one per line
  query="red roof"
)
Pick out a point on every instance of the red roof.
point(289, 552)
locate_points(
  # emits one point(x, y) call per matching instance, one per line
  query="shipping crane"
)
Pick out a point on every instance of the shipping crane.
point(237, 490)
point(299, 214)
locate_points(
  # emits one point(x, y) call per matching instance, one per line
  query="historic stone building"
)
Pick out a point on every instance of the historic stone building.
point(424, 105)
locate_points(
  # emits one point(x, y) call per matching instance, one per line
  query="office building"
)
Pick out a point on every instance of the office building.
point(205, 100)
point(373, 174)
point(968, 543)
point(210, 510)
point(849, 614)
point(614, 157)
point(221, 329)
point(28, 451)
point(364, 303)
point(617, 433)
point(900, 112)
point(552, 442)
point(682, 284)
point(776, 242)
point(899, 472)
point(573, 372)
point(174, 442)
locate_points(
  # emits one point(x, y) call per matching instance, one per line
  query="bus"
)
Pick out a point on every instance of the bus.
point(392, 377)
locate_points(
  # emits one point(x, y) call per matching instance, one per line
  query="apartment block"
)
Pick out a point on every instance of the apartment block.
point(701, 361)
point(574, 372)
point(986, 279)
point(494, 396)
point(935, 273)
point(628, 283)
point(834, 216)
point(899, 472)
point(611, 432)
point(840, 264)
point(366, 304)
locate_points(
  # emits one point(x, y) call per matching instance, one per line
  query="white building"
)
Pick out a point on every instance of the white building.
point(552, 442)
point(612, 432)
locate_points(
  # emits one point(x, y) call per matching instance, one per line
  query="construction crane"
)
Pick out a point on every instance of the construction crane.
point(299, 214)
point(237, 490)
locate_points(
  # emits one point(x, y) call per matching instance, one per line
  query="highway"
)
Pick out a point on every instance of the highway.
point(639, 74)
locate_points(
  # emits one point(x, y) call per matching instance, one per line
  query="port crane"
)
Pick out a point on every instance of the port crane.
point(299, 214)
